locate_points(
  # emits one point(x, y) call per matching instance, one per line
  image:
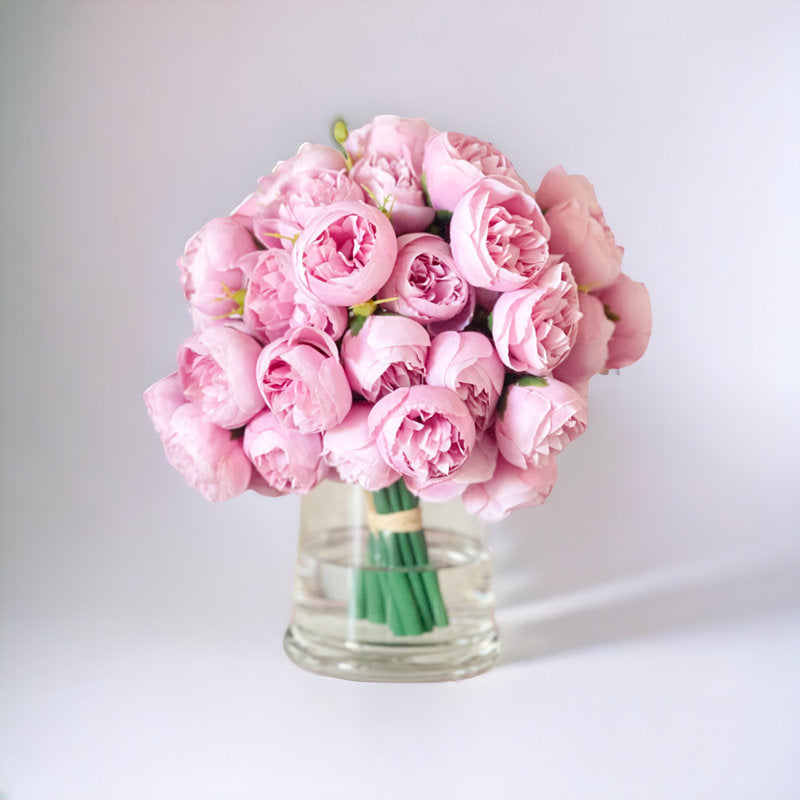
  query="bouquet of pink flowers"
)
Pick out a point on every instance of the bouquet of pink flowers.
point(404, 313)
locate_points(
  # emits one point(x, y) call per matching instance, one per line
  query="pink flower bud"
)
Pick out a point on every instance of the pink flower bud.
point(302, 381)
point(539, 421)
point(217, 372)
point(424, 280)
point(387, 353)
point(535, 328)
point(498, 236)
point(510, 488)
point(345, 254)
point(424, 432)
point(351, 450)
point(287, 461)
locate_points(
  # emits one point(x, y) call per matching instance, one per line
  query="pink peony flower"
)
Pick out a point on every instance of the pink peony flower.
point(457, 323)
point(273, 304)
point(627, 303)
point(210, 460)
point(388, 353)
point(209, 272)
point(423, 432)
point(534, 329)
point(351, 450)
point(539, 421)
point(454, 161)
point(468, 364)
point(296, 190)
point(478, 468)
point(162, 400)
point(387, 163)
point(424, 280)
point(588, 245)
point(578, 229)
point(510, 488)
point(322, 316)
point(498, 236)
point(270, 298)
point(557, 187)
point(589, 352)
point(345, 254)
point(302, 381)
point(217, 372)
point(287, 461)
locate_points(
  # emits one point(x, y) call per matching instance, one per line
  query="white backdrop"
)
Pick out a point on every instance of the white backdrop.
point(650, 609)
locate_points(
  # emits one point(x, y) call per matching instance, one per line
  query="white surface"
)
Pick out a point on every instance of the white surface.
point(651, 608)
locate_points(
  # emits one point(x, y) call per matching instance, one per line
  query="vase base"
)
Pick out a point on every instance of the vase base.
point(417, 662)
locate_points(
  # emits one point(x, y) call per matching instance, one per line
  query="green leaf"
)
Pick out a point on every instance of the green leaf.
point(441, 224)
point(425, 192)
point(532, 380)
point(609, 313)
point(444, 216)
point(356, 324)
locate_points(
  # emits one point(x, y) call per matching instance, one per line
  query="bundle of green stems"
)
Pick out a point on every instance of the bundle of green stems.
point(398, 586)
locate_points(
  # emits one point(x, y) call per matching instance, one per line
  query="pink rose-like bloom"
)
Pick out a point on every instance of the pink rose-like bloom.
point(387, 161)
point(424, 280)
point(508, 489)
point(387, 353)
point(534, 329)
point(578, 228)
point(459, 321)
point(217, 372)
point(210, 460)
point(539, 422)
point(454, 161)
point(322, 316)
point(270, 298)
point(557, 187)
point(468, 364)
point(423, 432)
point(209, 271)
point(288, 461)
point(351, 450)
point(589, 352)
point(587, 244)
point(163, 399)
point(273, 304)
point(345, 254)
point(479, 467)
point(498, 236)
point(297, 188)
point(629, 302)
point(302, 381)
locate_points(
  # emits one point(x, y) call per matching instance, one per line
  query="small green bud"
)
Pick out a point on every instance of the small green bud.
point(340, 132)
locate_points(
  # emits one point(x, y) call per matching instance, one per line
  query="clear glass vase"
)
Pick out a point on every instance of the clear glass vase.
point(382, 595)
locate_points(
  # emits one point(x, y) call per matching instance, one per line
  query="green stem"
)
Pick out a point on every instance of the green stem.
point(419, 547)
point(375, 592)
point(392, 589)
point(415, 579)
